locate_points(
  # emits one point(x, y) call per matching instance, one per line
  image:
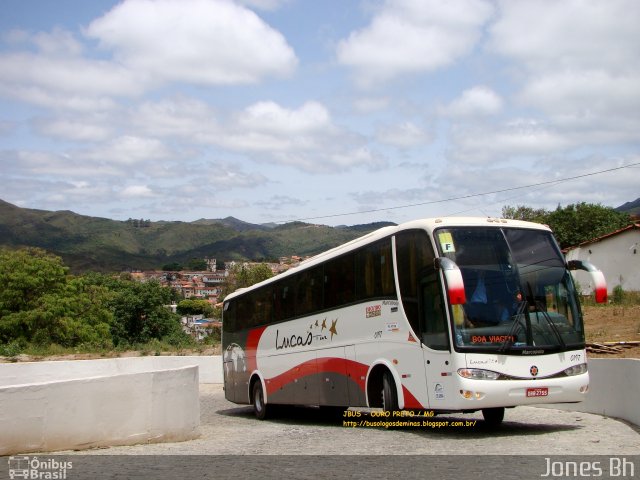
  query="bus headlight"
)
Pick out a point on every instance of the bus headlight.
point(576, 370)
point(478, 374)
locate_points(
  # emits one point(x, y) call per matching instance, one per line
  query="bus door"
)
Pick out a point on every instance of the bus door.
point(434, 335)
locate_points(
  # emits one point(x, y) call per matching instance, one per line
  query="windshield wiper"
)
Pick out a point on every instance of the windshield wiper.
point(516, 323)
point(547, 317)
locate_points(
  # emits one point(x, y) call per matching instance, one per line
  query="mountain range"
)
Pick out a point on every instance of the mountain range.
point(99, 244)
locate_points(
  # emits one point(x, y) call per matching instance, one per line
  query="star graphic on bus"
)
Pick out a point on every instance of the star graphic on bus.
point(324, 325)
point(333, 328)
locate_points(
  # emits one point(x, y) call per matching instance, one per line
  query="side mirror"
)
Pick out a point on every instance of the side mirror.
point(453, 280)
point(600, 284)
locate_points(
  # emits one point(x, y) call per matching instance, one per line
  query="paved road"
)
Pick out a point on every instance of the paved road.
point(227, 428)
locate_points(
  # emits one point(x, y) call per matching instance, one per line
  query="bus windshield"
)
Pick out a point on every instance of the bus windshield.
point(520, 295)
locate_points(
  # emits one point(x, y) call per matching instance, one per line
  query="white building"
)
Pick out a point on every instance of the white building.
point(617, 254)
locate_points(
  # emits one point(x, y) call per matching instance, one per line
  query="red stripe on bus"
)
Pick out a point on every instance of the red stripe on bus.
point(340, 366)
point(252, 347)
point(410, 401)
point(356, 371)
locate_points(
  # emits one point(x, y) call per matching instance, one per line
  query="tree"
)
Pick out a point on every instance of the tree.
point(172, 267)
point(522, 212)
point(197, 265)
point(41, 304)
point(195, 307)
point(577, 223)
point(140, 312)
point(573, 224)
point(245, 275)
point(75, 315)
point(27, 274)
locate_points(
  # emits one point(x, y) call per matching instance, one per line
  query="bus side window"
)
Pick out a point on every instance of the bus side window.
point(374, 272)
point(339, 276)
point(309, 288)
point(414, 253)
point(229, 317)
point(284, 300)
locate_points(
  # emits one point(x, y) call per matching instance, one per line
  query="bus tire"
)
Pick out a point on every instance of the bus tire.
point(259, 406)
point(389, 396)
point(493, 416)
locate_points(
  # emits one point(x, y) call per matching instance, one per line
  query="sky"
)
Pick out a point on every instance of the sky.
point(332, 112)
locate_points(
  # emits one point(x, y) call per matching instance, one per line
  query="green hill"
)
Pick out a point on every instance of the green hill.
point(632, 208)
point(100, 244)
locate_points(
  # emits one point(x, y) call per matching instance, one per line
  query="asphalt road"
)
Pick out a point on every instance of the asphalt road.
point(229, 429)
point(304, 443)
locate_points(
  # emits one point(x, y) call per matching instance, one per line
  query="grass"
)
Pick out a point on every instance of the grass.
point(14, 351)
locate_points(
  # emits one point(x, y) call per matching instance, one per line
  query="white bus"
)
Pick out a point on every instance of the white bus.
point(449, 315)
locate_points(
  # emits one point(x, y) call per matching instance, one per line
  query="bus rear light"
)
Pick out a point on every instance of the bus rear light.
point(478, 374)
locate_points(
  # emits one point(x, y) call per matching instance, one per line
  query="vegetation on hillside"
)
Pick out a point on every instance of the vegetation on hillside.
point(99, 244)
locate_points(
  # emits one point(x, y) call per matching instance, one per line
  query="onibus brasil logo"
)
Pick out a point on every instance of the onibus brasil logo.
point(36, 468)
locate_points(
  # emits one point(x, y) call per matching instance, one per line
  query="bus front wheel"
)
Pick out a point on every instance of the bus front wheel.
point(259, 406)
point(493, 416)
point(389, 397)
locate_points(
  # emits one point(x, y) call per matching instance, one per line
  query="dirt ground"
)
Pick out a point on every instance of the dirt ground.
point(613, 324)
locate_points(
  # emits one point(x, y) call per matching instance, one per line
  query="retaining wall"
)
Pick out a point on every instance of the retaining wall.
point(614, 389)
point(47, 406)
point(210, 368)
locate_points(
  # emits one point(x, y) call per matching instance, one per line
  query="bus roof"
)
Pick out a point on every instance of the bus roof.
point(428, 224)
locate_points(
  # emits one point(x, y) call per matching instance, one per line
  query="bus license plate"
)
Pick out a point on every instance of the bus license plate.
point(537, 392)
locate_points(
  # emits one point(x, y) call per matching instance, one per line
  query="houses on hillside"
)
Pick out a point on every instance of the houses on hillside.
point(617, 254)
point(206, 285)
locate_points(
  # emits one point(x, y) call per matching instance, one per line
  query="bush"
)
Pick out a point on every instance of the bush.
point(617, 295)
point(12, 349)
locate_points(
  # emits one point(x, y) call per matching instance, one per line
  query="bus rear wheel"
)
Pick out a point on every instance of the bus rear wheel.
point(259, 406)
point(389, 396)
point(493, 416)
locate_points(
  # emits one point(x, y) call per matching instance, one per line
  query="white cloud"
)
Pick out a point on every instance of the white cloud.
point(280, 202)
point(128, 150)
point(579, 62)
point(83, 130)
point(57, 42)
point(475, 102)
point(269, 117)
point(408, 36)
point(490, 144)
point(403, 135)
point(137, 191)
point(571, 34)
point(264, 4)
point(209, 42)
point(178, 117)
point(371, 104)
point(589, 93)
point(65, 82)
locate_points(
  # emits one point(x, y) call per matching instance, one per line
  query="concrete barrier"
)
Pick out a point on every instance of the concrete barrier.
point(210, 368)
point(47, 406)
point(614, 389)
